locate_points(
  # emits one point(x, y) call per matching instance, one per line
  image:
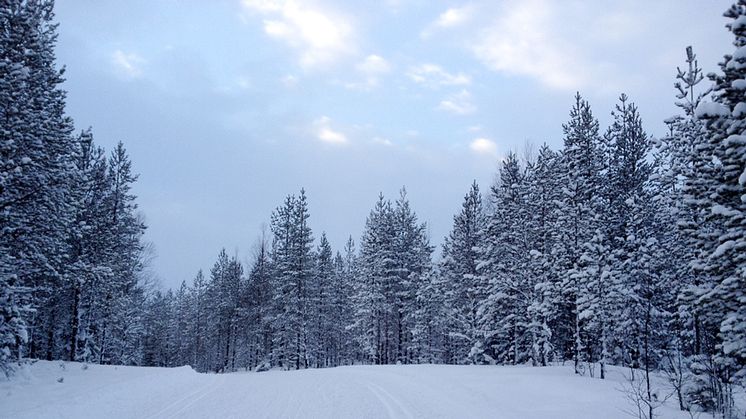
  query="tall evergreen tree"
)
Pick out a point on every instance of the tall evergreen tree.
point(371, 301)
point(503, 264)
point(37, 152)
point(581, 160)
point(257, 307)
point(412, 252)
point(321, 301)
point(462, 285)
point(294, 264)
point(544, 193)
point(720, 192)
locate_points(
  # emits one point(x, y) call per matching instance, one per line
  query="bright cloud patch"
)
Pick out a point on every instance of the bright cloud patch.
point(483, 146)
point(321, 37)
point(525, 40)
point(326, 134)
point(371, 69)
point(455, 16)
point(374, 64)
point(433, 75)
point(128, 64)
point(459, 103)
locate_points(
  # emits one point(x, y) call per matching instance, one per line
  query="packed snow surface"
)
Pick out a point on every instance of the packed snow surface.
point(396, 391)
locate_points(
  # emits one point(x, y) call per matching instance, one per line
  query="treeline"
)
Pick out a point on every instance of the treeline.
point(619, 249)
point(301, 305)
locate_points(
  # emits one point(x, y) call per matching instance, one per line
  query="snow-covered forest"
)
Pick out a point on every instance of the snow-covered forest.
point(619, 249)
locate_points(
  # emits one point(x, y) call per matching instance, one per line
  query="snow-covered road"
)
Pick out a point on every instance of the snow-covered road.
point(417, 391)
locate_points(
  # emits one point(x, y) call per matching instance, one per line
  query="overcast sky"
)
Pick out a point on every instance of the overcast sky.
point(227, 106)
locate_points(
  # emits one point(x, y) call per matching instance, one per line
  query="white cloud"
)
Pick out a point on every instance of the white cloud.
point(128, 64)
point(433, 75)
point(371, 70)
point(374, 64)
point(526, 39)
point(320, 36)
point(459, 103)
point(325, 133)
point(453, 17)
point(483, 146)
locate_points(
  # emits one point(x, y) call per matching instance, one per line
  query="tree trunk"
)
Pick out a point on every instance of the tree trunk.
point(647, 360)
point(74, 322)
point(576, 347)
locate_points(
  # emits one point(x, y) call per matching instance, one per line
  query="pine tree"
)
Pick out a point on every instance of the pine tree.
point(257, 308)
point(727, 134)
point(636, 245)
point(88, 240)
point(222, 297)
point(503, 266)
point(293, 263)
point(544, 193)
point(120, 294)
point(321, 300)
point(720, 193)
point(199, 323)
point(462, 285)
point(430, 331)
point(37, 152)
point(370, 298)
point(676, 162)
point(347, 273)
point(180, 325)
point(412, 253)
point(157, 337)
point(581, 160)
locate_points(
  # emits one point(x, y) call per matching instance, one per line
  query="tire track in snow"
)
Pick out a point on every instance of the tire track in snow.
point(181, 402)
point(392, 404)
point(208, 389)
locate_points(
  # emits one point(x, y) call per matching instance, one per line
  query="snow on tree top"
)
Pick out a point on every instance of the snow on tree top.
point(711, 110)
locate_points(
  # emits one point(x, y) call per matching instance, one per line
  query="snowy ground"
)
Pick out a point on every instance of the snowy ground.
point(416, 391)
